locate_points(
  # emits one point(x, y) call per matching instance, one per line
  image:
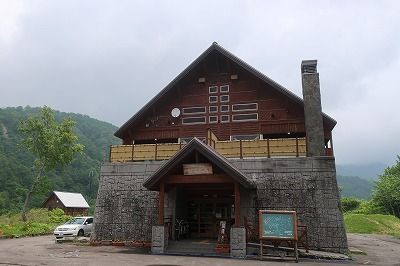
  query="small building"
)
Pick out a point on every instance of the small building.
point(72, 203)
point(219, 143)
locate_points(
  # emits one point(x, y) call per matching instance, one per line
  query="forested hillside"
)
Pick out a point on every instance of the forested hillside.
point(16, 163)
point(355, 187)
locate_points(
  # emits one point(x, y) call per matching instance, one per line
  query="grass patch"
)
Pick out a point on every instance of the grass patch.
point(372, 224)
point(40, 221)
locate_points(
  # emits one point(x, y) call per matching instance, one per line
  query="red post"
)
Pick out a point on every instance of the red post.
point(109, 156)
point(269, 155)
point(297, 147)
point(133, 151)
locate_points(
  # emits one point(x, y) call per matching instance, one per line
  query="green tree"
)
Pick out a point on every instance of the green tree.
point(387, 189)
point(52, 143)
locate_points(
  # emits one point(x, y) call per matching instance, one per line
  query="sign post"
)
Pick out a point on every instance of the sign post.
point(278, 226)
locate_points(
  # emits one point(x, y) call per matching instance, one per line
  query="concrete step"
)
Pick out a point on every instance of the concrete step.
point(192, 247)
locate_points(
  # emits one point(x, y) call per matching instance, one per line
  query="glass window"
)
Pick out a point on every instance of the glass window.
point(213, 89)
point(193, 110)
point(213, 109)
point(244, 107)
point(194, 120)
point(244, 117)
point(213, 99)
point(224, 88)
point(212, 119)
point(224, 98)
point(224, 108)
point(224, 118)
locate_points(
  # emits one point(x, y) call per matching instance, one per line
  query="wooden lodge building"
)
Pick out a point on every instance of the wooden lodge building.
point(217, 144)
point(71, 203)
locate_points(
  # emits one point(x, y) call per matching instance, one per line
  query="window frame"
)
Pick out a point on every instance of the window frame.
point(214, 106)
point(225, 111)
point(224, 86)
point(212, 92)
point(227, 121)
point(213, 122)
point(243, 110)
point(194, 123)
point(214, 97)
point(225, 95)
point(194, 113)
point(244, 120)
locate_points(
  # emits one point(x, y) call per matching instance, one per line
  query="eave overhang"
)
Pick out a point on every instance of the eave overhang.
point(152, 183)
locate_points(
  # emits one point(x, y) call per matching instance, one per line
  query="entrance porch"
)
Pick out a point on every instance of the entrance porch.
point(199, 200)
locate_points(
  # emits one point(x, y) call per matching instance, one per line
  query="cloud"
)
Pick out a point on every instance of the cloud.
point(107, 59)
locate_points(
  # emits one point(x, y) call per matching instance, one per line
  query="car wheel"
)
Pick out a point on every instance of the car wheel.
point(80, 233)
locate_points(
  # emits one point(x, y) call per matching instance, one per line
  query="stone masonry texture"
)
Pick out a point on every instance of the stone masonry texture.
point(125, 210)
point(313, 114)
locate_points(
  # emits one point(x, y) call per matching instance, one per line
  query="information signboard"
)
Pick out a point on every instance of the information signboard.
point(277, 224)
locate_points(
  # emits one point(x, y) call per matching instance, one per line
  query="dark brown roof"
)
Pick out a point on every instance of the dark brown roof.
point(207, 152)
point(215, 47)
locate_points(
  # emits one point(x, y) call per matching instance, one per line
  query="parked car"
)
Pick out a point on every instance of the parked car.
point(77, 226)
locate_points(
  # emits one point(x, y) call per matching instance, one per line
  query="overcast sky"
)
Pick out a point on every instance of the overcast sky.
point(106, 59)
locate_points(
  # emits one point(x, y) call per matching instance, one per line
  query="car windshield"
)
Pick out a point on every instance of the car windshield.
point(76, 221)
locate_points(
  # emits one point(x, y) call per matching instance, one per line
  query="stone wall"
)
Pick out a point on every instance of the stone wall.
point(125, 210)
point(306, 185)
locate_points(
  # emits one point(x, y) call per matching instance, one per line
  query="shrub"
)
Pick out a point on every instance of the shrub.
point(350, 204)
point(57, 216)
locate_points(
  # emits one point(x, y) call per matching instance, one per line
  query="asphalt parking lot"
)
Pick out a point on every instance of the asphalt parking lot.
point(42, 250)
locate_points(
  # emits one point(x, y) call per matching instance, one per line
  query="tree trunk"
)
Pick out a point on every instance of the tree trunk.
point(28, 195)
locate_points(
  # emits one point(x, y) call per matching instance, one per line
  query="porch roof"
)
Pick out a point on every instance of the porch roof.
point(212, 155)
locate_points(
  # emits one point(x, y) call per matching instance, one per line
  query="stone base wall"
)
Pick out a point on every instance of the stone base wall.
point(125, 210)
point(306, 185)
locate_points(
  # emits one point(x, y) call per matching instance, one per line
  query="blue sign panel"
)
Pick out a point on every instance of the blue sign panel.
point(279, 225)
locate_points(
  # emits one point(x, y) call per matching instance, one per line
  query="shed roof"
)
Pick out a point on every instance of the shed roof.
point(215, 47)
point(206, 151)
point(71, 200)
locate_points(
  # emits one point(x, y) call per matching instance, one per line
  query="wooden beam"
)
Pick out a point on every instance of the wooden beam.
point(161, 204)
point(237, 204)
point(197, 179)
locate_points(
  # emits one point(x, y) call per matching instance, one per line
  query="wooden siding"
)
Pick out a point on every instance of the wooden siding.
point(288, 147)
point(54, 203)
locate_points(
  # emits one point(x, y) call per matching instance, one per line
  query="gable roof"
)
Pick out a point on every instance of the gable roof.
point(215, 47)
point(206, 151)
point(71, 200)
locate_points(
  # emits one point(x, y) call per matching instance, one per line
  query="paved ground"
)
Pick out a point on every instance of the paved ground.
point(42, 250)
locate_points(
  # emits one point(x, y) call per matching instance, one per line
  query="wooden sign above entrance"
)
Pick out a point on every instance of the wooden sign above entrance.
point(277, 224)
point(197, 169)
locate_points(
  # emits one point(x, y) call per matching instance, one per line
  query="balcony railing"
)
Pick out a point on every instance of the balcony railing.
point(287, 147)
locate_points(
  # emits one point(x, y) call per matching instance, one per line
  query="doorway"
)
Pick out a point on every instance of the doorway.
point(205, 208)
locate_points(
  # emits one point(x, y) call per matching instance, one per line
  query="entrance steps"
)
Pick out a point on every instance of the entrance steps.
point(194, 247)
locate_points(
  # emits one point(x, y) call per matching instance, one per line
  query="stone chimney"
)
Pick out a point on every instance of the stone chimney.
point(312, 108)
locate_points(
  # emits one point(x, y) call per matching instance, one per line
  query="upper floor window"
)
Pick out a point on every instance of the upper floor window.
point(224, 88)
point(224, 98)
point(224, 108)
point(213, 89)
point(244, 117)
point(194, 110)
point(213, 99)
point(244, 107)
point(224, 118)
point(194, 120)
point(213, 109)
